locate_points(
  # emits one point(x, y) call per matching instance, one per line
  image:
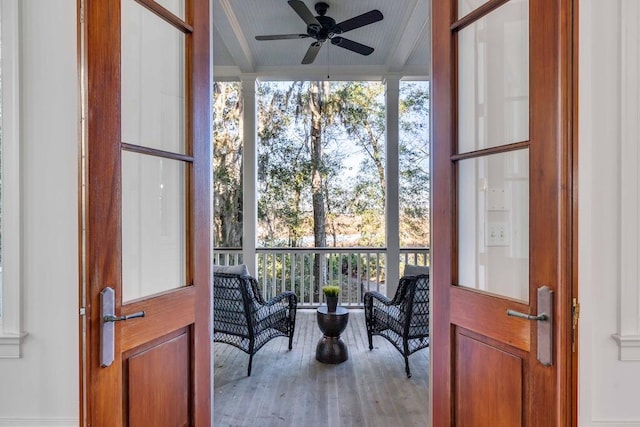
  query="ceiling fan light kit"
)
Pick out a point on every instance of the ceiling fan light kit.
point(323, 28)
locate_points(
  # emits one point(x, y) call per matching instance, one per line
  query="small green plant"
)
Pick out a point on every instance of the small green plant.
point(331, 290)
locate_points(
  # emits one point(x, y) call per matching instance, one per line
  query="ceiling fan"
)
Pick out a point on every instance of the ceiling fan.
point(323, 28)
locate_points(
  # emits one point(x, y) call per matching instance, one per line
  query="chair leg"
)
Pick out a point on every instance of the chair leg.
point(292, 327)
point(250, 362)
point(406, 366)
point(370, 340)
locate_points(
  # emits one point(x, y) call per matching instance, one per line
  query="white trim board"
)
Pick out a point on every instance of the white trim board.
point(41, 422)
point(11, 333)
point(628, 335)
point(615, 424)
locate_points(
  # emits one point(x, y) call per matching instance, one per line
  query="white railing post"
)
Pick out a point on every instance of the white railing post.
point(249, 173)
point(392, 274)
point(280, 268)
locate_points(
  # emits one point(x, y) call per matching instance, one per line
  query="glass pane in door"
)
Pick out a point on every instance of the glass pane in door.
point(153, 225)
point(493, 79)
point(467, 6)
point(153, 80)
point(174, 6)
point(493, 224)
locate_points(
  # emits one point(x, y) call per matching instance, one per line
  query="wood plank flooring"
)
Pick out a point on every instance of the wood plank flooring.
point(291, 388)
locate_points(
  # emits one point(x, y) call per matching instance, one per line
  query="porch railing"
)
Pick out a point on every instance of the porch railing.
point(355, 270)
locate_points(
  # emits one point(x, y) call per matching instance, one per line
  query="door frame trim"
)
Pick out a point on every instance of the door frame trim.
point(442, 119)
point(93, 72)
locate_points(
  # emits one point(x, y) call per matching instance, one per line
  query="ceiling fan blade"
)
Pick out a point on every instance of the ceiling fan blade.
point(352, 46)
point(360, 20)
point(282, 37)
point(303, 11)
point(312, 52)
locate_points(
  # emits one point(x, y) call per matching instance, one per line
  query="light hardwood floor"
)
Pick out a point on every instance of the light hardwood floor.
point(291, 388)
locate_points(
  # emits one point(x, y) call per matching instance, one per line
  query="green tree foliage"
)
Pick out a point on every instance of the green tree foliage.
point(337, 133)
point(362, 116)
point(284, 166)
point(227, 164)
point(321, 161)
point(415, 184)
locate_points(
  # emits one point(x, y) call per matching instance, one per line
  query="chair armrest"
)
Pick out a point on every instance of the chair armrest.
point(287, 298)
point(274, 311)
point(373, 297)
point(292, 299)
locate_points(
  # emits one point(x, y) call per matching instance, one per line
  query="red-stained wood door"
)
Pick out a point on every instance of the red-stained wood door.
point(146, 212)
point(502, 114)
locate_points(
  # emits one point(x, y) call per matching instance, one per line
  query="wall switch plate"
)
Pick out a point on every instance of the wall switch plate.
point(497, 234)
point(496, 199)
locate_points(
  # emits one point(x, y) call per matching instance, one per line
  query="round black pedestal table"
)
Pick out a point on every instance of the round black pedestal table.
point(330, 348)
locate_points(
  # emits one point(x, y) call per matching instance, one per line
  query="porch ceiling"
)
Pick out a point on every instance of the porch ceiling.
point(401, 40)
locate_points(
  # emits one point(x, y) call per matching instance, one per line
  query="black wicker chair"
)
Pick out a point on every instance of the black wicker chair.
point(242, 318)
point(404, 320)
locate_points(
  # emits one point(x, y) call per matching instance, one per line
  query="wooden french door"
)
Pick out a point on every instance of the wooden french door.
point(146, 213)
point(502, 228)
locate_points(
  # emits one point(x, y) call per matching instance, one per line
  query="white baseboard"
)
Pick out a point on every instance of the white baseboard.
point(615, 424)
point(39, 422)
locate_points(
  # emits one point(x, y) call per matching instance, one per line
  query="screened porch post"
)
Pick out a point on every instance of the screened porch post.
point(249, 173)
point(392, 202)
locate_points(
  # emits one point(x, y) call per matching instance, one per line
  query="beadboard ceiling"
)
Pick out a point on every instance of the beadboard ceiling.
point(401, 40)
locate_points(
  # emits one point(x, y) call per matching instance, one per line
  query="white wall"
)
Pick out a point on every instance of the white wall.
point(41, 388)
point(609, 388)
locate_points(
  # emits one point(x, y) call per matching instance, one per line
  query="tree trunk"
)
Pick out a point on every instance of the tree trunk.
point(319, 235)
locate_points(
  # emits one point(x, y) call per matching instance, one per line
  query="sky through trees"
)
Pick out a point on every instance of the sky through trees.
point(321, 164)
